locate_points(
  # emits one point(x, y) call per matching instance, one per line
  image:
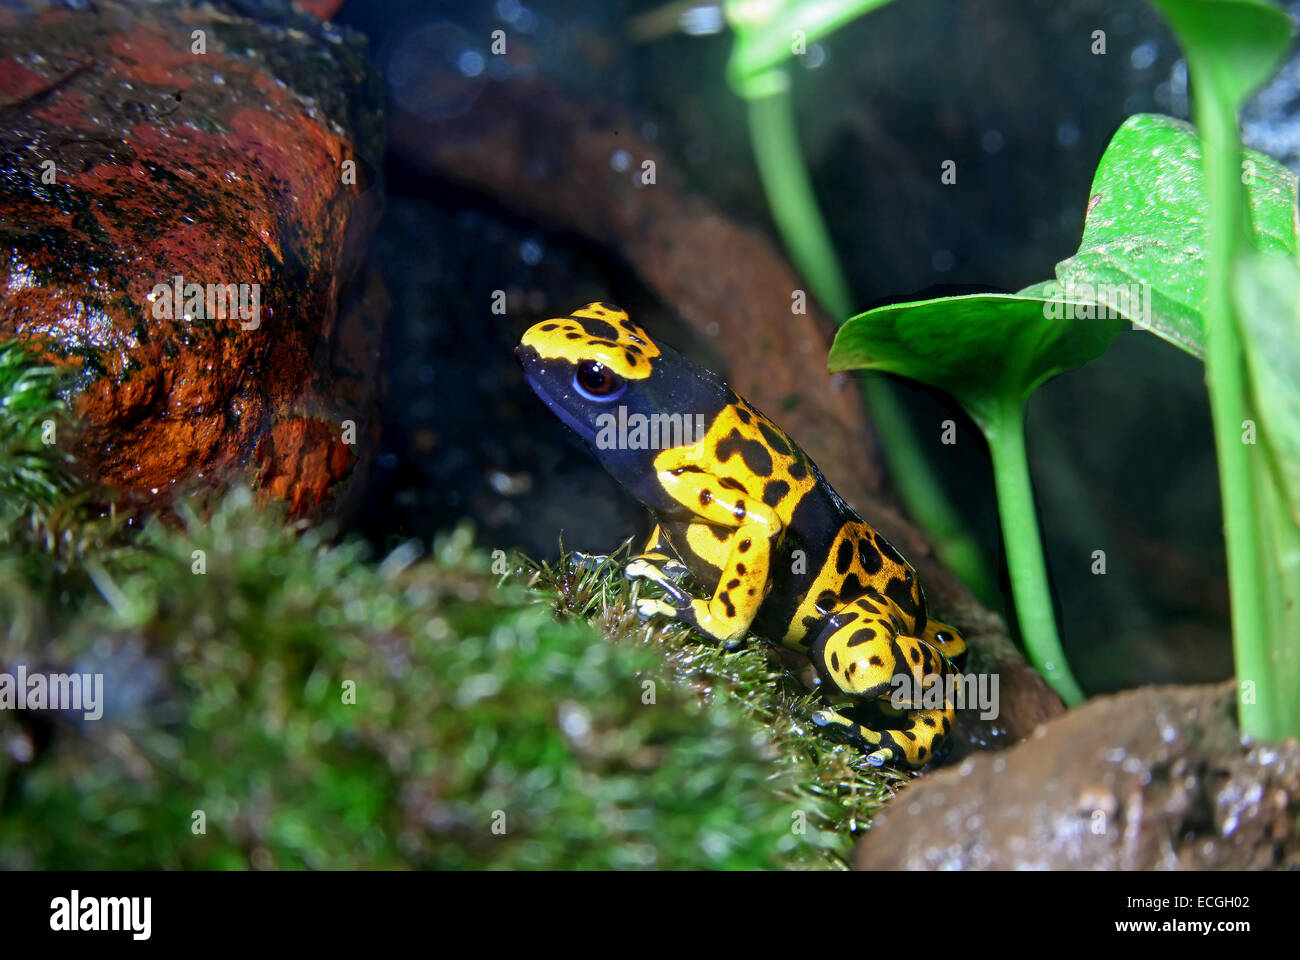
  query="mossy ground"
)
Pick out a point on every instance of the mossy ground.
point(308, 706)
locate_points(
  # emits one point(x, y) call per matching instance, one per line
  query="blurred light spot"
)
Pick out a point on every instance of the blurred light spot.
point(815, 57)
point(435, 70)
point(715, 845)
point(943, 260)
point(527, 21)
point(1178, 88)
point(508, 484)
point(1067, 133)
point(992, 141)
point(702, 19)
point(620, 161)
point(21, 748)
point(574, 721)
point(530, 251)
point(1143, 56)
point(470, 63)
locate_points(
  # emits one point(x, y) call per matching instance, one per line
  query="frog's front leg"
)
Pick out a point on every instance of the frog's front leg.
point(752, 527)
point(860, 654)
point(659, 564)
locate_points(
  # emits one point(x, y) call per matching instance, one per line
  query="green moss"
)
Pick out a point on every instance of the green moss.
point(228, 693)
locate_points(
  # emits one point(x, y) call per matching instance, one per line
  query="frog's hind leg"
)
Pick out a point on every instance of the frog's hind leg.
point(922, 738)
point(947, 641)
point(860, 654)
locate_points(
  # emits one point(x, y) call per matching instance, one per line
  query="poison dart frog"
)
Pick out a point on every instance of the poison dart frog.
point(737, 504)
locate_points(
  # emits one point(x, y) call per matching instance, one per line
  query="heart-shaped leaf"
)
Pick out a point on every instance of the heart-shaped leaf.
point(987, 350)
point(1145, 234)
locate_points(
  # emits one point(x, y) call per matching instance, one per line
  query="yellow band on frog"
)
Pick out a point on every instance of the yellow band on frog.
point(600, 332)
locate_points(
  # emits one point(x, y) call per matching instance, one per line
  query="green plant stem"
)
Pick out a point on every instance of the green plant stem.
point(1225, 372)
point(775, 137)
point(1280, 564)
point(1004, 427)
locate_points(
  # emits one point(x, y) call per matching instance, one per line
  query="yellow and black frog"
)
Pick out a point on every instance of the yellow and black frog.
point(739, 505)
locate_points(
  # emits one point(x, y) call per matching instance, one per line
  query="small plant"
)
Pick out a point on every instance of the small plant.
point(1211, 242)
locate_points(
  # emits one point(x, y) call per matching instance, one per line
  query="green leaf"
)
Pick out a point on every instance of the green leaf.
point(765, 36)
point(1145, 233)
point(1267, 292)
point(985, 349)
point(1234, 45)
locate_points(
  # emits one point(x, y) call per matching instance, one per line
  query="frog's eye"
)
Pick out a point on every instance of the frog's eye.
point(595, 381)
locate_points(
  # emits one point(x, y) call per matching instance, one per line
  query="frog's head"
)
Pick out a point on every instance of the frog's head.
point(603, 376)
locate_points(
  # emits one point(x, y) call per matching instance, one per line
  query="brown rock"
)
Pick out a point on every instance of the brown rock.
point(131, 158)
point(1155, 778)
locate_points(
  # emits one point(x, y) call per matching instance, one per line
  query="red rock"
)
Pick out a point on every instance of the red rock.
point(221, 168)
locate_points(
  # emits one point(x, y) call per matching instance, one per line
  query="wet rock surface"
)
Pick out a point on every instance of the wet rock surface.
point(1150, 779)
point(233, 146)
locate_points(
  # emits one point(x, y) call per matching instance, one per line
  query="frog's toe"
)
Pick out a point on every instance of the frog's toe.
point(649, 607)
point(830, 718)
point(589, 561)
point(880, 757)
point(641, 569)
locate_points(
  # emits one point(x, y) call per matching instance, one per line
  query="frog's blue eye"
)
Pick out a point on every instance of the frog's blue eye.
point(595, 381)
